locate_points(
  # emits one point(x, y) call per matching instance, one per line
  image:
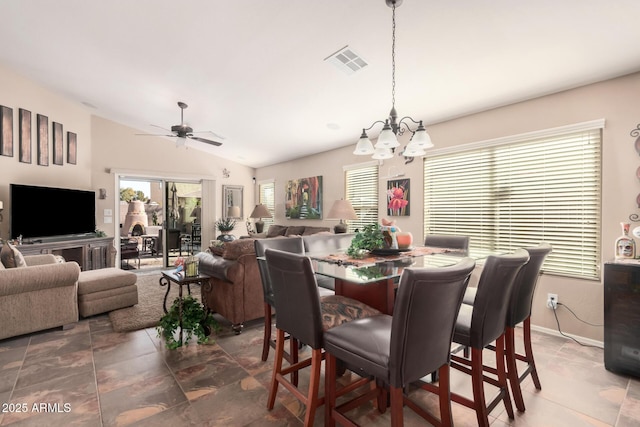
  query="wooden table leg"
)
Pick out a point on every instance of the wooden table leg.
point(379, 295)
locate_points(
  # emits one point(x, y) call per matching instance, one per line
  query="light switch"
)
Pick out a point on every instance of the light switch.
point(108, 212)
point(108, 219)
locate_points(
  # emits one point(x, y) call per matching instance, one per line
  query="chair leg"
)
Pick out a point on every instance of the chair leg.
point(314, 385)
point(293, 356)
point(329, 389)
point(478, 389)
point(512, 369)
point(444, 395)
point(526, 326)
point(267, 332)
point(502, 376)
point(397, 405)
point(277, 368)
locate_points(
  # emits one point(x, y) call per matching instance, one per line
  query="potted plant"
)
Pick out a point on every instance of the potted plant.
point(195, 321)
point(224, 226)
point(370, 238)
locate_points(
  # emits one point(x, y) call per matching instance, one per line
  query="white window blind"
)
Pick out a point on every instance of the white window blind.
point(362, 192)
point(518, 194)
point(267, 197)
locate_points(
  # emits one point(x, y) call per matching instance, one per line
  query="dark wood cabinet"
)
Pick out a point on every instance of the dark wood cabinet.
point(90, 254)
point(622, 318)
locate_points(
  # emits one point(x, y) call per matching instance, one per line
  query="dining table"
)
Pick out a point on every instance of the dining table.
point(374, 279)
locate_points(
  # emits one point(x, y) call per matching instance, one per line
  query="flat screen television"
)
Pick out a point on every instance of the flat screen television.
point(48, 212)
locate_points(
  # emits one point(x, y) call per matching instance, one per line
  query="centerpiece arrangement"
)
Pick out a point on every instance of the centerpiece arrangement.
point(370, 238)
point(225, 226)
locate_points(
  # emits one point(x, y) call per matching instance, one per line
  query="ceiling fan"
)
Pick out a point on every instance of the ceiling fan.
point(184, 131)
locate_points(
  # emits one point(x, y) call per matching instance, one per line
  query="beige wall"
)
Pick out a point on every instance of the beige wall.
point(104, 146)
point(615, 100)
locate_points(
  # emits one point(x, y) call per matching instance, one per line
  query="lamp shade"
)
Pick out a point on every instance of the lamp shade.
point(260, 211)
point(342, 209)
point(364, 146)
point(233, 212)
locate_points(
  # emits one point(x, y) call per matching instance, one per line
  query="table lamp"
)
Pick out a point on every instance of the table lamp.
point(259, 212)
point(341, 210)
point(233, 212)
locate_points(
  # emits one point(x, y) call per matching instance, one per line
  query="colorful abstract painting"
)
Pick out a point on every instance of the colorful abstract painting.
point(304, 198)
point(398, 197)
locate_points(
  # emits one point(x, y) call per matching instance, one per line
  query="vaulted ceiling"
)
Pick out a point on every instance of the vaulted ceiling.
point(254, 71)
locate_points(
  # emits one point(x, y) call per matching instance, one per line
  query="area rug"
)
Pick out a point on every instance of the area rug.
point(148, 311)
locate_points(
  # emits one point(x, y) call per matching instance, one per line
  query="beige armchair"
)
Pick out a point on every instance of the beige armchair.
point(41, 296)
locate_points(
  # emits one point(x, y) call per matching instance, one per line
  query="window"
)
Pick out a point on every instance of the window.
point(518, 193)
point(362, 192)
point(267, 197)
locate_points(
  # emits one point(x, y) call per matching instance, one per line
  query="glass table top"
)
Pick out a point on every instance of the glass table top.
point(383, 269)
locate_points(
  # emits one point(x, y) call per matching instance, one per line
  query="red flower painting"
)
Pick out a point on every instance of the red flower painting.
point(398, 197)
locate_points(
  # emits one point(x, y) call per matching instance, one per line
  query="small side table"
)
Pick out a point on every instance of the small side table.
point(169, 276)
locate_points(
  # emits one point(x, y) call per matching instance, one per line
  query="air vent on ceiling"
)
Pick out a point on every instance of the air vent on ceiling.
point(347, 60)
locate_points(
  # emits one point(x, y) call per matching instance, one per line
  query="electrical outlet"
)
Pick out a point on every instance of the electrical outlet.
point(552, 301)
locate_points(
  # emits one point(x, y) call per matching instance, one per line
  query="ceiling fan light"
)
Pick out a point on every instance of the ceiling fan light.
point(364, 147)
point(382, 154)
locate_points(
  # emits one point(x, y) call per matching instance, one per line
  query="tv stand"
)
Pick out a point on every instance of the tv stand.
point(90, 253)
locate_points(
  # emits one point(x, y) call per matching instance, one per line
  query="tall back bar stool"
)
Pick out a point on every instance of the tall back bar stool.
point(520, 312)
point(293, 245)
point(482, 324)
point(447, 241)
point(302, 314)
point(397, 350)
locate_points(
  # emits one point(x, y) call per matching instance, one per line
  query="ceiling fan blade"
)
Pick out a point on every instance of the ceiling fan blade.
point(207, 141)
point(160, 127)
point(152, 134)
point(212, 133)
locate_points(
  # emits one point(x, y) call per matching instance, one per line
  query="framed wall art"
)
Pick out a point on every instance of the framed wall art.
point(398, 197)
point(72, 147)
point(43, 140)
point(24, 150)
point(303, 198)
point(6, 131)
point(58, 144)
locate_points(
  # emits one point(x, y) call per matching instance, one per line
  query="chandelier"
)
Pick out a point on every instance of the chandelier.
point(392, 127)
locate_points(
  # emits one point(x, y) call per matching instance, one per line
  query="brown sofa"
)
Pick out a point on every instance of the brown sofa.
point(290, 230)
point(40, 296)
point(236, 287)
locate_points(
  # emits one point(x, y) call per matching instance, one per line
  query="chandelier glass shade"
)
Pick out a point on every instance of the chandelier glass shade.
point(391, 128)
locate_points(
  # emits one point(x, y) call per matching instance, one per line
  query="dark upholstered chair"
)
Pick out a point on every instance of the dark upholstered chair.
point(520, 312)
point(400, 349)
point(482, 324)
point(290, 244)
point(326, 244)
point(301, 313)
point(447, 241)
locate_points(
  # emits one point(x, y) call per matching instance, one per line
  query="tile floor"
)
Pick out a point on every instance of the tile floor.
point(89, 375)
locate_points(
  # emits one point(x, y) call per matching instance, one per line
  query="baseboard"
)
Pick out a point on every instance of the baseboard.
point(556, 333)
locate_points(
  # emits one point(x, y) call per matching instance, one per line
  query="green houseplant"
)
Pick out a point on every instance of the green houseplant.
point(225, 225)
point(368, 239)
point(196, 321)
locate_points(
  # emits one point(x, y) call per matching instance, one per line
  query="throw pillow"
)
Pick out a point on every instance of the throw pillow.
point(236, 248)
point(314, 230)
point(11, 257)
point(276, 230)
point(294, 230)
point(7, 257)
point(20, 262)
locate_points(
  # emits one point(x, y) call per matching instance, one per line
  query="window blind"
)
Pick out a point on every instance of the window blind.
point(518, 194)
point(362, 191)
point(267, 197)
